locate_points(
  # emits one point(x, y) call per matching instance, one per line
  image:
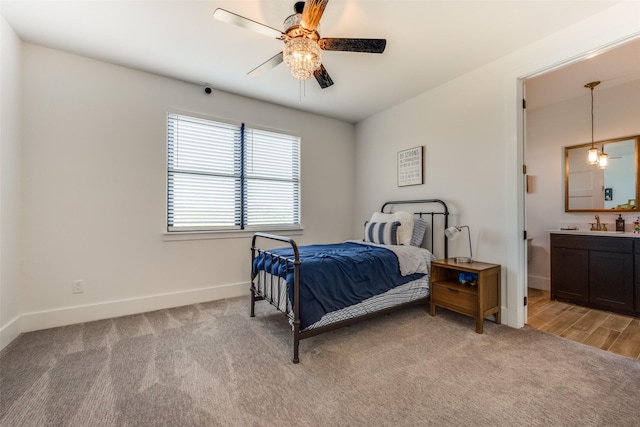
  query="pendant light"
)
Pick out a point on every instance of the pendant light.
point(593, 158)
point(603, 159)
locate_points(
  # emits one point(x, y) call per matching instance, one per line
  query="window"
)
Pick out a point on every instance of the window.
point(229, 177)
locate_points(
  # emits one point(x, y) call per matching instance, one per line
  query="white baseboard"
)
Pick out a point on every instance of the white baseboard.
point(537, 282)
point(9, 332)
point(70, 315)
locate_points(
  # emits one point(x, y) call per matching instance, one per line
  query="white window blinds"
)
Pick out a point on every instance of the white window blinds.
point(223, 176)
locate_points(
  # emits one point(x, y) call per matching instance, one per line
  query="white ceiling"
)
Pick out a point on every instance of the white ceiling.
point(428, 42)
point(611, 67)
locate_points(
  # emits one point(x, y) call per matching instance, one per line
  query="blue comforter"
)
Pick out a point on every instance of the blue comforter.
point(335, 276)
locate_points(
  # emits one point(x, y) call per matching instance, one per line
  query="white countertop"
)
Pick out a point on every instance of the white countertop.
point(597, 233)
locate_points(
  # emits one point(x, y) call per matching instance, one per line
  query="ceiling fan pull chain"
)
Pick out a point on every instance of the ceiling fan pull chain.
point(302, 90)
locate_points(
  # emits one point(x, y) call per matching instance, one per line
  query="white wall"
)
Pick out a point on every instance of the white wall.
point(93, 154)
point(10, 164)
point(549, 130)
point(472, 132)
point(461, 126)
point(94, 189)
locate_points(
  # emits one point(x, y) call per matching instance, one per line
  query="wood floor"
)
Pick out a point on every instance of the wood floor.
point(609, 331)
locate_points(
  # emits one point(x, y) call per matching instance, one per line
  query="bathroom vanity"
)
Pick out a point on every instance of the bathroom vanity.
point(596, 269)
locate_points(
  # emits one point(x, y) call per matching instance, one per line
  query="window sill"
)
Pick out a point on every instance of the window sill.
point(175, 236)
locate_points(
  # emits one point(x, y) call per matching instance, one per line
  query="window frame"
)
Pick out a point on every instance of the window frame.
point(239, 230)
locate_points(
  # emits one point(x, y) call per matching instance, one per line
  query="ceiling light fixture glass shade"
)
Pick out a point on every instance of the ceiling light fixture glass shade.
point(603, 159)
point(303, 56)
point(593, 156)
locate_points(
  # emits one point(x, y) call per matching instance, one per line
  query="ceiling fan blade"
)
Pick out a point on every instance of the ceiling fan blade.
point(241, 21)
point(354, 45)
point(323, 77)
point(269, 64)
point(311, 14)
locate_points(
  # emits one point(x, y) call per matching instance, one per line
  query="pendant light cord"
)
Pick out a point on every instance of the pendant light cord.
point(591, 117)
point(591, 86)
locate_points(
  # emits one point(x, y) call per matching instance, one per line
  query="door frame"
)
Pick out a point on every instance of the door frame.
point(517, 311)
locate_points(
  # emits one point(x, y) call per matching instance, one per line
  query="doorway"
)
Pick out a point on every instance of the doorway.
point(557, 114)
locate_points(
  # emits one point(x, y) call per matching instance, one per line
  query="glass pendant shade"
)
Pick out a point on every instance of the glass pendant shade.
point(303, 56)
point(593, 156)
point(603, 160)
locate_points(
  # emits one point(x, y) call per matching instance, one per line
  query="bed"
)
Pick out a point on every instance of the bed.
point(327, 286)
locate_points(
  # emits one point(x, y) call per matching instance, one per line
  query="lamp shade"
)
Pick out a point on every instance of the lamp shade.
point(453, 233)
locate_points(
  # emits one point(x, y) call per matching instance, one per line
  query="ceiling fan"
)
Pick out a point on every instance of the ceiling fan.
point(302, 43)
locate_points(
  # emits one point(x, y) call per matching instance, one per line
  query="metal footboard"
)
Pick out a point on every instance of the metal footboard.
point(276, 291)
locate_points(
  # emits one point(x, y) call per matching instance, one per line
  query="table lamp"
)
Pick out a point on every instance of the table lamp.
point(453, 233)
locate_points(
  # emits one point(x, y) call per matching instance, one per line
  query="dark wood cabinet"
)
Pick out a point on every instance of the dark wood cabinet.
point(570, 273)
point(611, 280)
point(636, 268)
point(596, 271)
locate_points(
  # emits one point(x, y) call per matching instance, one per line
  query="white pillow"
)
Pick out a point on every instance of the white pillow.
point(405, 230)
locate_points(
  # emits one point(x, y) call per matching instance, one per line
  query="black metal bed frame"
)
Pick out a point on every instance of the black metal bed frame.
point(275, 285)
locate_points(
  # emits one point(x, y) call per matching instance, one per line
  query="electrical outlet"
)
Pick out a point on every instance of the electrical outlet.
point(77, 287)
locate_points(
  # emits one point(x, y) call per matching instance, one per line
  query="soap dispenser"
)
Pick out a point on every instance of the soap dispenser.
point(620, 223)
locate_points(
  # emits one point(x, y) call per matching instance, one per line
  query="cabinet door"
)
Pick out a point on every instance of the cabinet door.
point(570, 274)
point(636, 258)
point(611, 280)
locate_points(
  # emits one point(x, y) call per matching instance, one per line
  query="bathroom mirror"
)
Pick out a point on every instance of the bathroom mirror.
point(591, 189)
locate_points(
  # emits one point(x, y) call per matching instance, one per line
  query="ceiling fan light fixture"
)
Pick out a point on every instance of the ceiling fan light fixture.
point(302, 42)
point(303, 56)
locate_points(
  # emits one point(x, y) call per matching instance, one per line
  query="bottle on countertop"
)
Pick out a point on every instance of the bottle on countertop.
point(636, 226)
point(620, 223)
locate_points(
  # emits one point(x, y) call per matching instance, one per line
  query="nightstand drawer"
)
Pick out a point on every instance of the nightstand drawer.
point(455, 298)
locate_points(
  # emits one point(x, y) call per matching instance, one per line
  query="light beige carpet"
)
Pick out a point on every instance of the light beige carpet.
point(212, 365)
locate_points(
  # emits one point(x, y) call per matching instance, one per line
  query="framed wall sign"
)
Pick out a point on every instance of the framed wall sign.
point(410, 167)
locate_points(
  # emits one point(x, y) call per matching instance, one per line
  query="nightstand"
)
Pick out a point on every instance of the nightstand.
point(476, 301)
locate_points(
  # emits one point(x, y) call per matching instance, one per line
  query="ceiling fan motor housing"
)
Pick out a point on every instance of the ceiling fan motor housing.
point(292, 26)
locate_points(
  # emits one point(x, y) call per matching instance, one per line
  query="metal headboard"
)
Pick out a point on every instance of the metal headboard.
point(444, 211)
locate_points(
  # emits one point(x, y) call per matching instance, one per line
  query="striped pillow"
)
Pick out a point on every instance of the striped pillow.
point(404, 229)
point(383, 233)
point(419, 230)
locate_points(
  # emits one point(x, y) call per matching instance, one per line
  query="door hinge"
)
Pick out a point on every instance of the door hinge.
point(524, 104)
point(525, 301)
point(524, 169)
point(525, 234)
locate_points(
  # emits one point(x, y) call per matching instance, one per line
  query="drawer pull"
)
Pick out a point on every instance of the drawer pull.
point(453, 290)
